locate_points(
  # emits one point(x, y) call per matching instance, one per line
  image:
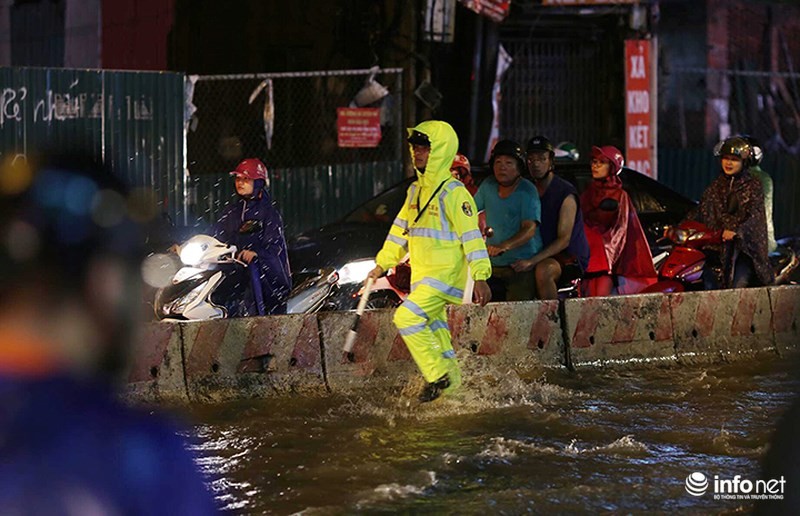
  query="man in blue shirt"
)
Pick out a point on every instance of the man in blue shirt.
point(513, 212)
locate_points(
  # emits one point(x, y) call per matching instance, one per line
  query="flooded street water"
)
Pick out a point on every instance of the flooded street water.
point(586, 441)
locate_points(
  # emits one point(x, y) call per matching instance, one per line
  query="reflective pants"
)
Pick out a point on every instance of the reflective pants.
point(422, 322)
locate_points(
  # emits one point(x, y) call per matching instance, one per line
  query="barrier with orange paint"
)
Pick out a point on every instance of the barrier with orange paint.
point(253, 357)
point(600, 330)
point(524, 335)
point(155, 373)
point(301, 354)
point(720, 325)
point(785, 306)
point(380, 357)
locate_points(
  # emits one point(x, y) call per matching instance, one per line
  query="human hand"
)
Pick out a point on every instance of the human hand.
point(524, 265)
point(481, 293)
point(374, 274)
point(728, 235)
point(495, 250)
point(247, 256)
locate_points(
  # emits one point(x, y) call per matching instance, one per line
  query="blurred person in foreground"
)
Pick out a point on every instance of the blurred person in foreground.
point(438, 227)
point(70, 256)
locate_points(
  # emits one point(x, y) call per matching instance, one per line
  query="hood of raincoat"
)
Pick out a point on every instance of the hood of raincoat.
point(444, 146)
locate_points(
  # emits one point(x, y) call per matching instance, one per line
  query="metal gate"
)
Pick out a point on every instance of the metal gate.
point(557, 88)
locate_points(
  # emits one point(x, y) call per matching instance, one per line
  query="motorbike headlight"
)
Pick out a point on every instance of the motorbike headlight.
point(695, 235)
point(192, 253)
point(355, 272)
point(679, 236)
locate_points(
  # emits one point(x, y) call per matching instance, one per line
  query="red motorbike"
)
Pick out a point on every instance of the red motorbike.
point(683, 269)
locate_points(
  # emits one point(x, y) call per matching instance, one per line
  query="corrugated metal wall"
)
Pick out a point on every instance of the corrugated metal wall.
point(133, 121)
point(307, 197)
point(690, 171)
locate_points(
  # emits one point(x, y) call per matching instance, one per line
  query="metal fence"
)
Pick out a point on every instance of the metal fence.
point(131, 121)
point(289, 121)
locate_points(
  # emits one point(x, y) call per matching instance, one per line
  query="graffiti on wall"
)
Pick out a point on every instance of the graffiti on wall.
point(17, 105)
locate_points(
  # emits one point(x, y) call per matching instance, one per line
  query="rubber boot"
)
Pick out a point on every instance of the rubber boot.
point(434, 389)
point(454, 374)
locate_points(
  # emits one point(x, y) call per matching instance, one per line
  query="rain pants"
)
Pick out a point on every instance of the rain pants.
point(441, 243)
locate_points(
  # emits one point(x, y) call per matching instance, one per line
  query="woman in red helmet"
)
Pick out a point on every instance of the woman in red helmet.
point(619, 254)
point(254, 225)
point(461, 170)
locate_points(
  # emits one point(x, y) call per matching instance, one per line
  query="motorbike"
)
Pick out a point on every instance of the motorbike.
point(682, 269)
point(391, 289)
point(190, 295)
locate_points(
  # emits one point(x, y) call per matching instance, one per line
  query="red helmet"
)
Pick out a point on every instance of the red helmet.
point(610, 154)
point(460, 162)
point(251, 168)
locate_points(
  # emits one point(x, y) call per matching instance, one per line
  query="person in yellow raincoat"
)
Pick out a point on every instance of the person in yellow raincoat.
point(438, 227)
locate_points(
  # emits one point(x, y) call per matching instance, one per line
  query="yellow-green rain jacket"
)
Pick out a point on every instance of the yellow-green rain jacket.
point(446, 237)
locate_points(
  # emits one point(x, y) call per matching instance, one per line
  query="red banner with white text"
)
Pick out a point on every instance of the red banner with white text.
point(638, 121)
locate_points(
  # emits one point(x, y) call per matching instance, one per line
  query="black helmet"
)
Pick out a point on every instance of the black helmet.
point(541, 144)
point(758, 150)
point(736, 146)
point(509, 148)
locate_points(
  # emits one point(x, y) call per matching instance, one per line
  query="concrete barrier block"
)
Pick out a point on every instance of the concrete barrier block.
point(785, 305)
point(721, 325)
point(620, 328)
point(155, 373)
point(253, 357)
point(381, 359)
point(524, 335)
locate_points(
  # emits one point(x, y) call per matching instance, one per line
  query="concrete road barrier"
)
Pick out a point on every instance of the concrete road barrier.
point(601, 330)
point(381, 358)
point(302, 354)
point(155, 373)
point(785, 306)
point(721, 325)
point(253, 357)
point(523, 335)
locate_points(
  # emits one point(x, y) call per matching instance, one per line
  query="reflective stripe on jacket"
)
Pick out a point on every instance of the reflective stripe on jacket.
point(446, 237)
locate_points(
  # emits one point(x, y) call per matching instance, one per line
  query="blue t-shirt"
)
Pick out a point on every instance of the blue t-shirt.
point(505, 217)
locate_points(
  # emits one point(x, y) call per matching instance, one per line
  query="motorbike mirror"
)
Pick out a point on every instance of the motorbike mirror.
point(609, 205)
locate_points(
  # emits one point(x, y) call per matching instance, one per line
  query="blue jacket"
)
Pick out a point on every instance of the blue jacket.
point(255, 224)
point(66, 443)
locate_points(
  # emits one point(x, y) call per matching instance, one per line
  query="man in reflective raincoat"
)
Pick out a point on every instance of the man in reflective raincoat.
point(438, 227)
